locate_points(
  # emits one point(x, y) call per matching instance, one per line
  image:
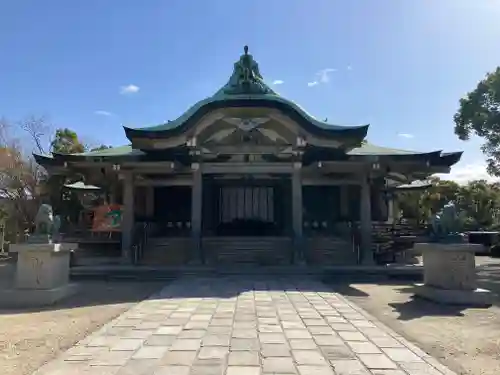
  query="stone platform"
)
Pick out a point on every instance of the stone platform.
point(142, 272)
point(241, 325)
point(450, 274)
point(13, 298)
point(42, 275)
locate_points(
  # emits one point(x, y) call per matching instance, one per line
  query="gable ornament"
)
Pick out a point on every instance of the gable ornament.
point(246, 77)
point(246, 124)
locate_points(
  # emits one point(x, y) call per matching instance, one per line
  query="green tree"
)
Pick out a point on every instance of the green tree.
point(421, 205)
point(478, 203)
point(479, 114)
point(66, 142)
point(99, 148)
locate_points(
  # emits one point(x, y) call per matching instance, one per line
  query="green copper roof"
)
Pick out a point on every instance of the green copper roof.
point(220, 96)
point(371, 149)
point(113, 151)
point(367, 149)
point(246, 87)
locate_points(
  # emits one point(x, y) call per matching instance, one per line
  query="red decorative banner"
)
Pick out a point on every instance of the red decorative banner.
point(107, 218)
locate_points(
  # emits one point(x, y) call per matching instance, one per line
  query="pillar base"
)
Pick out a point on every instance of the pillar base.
point(125, 259)
point(298, 256)
point(198, 255)
point(368, 260)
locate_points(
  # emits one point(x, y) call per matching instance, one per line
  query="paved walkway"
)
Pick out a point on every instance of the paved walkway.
point(243, 326)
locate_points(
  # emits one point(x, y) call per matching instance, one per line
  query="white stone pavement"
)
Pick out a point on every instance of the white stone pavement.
point(244, 326)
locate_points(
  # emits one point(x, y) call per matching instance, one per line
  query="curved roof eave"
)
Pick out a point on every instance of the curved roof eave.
point(435, 158)
point(114, 152)
point(196, 112)
point(413, 186)
point(45, 160)
point(451, 158)
point(80, 185)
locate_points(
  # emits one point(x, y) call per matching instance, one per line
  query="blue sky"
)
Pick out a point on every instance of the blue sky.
point(401, 66)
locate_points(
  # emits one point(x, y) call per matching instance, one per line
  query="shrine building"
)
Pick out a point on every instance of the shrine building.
point(248, 176)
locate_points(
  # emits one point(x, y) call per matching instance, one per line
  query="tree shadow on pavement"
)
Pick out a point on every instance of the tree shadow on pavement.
point(102, 292)
point(348, 290)
point(417, 307)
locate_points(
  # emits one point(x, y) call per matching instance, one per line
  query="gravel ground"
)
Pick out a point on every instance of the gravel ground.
point(29, 338)
point(466, 340)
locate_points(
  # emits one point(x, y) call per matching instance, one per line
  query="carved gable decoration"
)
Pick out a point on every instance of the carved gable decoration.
point(242, 130)
point(246, 124)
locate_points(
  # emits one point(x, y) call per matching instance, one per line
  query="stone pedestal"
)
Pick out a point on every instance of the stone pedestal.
point(450, 274)
point(42, 275)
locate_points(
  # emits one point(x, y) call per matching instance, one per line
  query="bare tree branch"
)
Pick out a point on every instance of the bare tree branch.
point(37, 128)
point(20, 175)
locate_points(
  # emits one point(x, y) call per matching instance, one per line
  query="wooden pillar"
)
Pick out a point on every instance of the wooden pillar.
point(390, 211)
point(366, 223)
point(344, 202)
point(196, 211)
point(150, 201)
point(297, 204)
point(396, 213)
point(128, 216)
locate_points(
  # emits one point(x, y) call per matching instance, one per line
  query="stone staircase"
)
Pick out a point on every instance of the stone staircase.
point(329, 251)
point(257, 251)
point(260, 251)
point(168, 251)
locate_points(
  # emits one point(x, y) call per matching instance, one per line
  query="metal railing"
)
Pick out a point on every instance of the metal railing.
point(139, 241)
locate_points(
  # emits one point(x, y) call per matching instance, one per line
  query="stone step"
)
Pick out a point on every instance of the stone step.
point(175, 251)
point(330, 251)
point(171, 251)
point(248, 250)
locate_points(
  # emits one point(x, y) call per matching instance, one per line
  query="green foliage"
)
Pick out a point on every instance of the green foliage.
point(478, 202)
point(479, 114)
point(65, 202)
point(99, 148)
point(66, 142)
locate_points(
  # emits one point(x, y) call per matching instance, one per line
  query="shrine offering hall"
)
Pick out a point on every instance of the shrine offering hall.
point(247, 176)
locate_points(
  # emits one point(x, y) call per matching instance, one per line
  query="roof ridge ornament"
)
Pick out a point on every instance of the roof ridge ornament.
point(246, 77)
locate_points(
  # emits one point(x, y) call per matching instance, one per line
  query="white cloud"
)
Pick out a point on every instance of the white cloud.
point(103, 113)
point(405, 135)
point(463, 173)
point(322, 76)
point(278, 82)
point(129, 89)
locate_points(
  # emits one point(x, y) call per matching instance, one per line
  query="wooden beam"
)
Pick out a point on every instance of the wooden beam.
point(337, 166)
point(328, 182)
point(249, 149)
point(165, 182)
point(246, 168)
